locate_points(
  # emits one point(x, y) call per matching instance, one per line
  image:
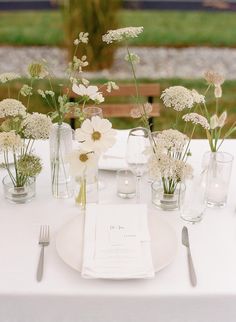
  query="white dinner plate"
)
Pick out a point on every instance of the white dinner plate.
point(69, 242)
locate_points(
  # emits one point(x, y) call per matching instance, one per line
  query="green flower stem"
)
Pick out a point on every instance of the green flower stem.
point(80, 198)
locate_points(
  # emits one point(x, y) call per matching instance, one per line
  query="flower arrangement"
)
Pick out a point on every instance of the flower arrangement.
point(95, 137)
point(18, 131)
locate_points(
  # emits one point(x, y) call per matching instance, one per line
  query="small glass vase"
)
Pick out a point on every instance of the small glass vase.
point(164, 201)
point(218, 166)
point(86, 189)
point(19, 195)
point(60, 142)
point(193, 205)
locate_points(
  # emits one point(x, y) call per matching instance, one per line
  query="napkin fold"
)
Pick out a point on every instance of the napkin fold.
point(114, 158)
point(117, 242)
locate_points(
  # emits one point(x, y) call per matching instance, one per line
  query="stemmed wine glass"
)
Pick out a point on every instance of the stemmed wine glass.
point(137, 143)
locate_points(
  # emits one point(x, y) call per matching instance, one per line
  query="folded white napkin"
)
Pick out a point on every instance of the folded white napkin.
point(114, 158)
point(117, 242)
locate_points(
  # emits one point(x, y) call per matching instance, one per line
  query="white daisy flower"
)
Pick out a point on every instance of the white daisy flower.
point(81, 162)
point(96, 134)
point(90, 92)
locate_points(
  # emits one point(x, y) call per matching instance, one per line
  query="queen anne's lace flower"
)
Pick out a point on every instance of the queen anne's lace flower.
point(214, 78)
point(26, 90)
point(37, 126)
point(29, 165)
point(177, 97)
point(96, 134)
point(138, 112)
point(198, 98)
point(121, 34)
point(196, 118)
point(6, 77)
point(10, 141)
point(11, 107)
point(169, 140)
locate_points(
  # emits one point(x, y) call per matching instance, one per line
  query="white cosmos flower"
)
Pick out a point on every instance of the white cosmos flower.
point(91, 92)
point(96, 134)
point(82, 161)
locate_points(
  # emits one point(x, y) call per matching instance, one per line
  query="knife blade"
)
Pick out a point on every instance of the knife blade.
point(185, 242)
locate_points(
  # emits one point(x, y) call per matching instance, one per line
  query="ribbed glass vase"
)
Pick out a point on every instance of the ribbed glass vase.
point(60, 141)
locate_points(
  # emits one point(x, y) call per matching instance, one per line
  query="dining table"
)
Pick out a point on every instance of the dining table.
point(64, 296)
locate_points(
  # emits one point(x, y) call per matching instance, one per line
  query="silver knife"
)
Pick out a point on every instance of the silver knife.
point(185, 242)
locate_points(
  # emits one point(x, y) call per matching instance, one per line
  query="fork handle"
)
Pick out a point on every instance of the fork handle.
point(192, 273)
point(40, 265)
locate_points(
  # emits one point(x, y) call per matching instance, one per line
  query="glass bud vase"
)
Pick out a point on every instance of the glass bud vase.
point(164, 201)
point(218, 166)
point(86, 189)
point(60, 142)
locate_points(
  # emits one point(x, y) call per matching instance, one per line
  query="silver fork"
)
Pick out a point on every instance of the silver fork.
point(44, 240)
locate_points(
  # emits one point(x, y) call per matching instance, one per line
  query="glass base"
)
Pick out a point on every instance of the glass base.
point(126, 195)
point(192, 217)
point(212, 204)
point(19, 195)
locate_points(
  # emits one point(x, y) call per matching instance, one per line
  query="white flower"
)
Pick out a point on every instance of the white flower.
point(37, 70)
point(216, 121)
point(83, 37)
point(10, 141)
point(138, 112)
point(169, 141)
point(76, 41)
point(5, 77)
point(26, 90)
point(50, 93)
point(132, 58)
point(111, 85)
point(96, 134)
point(11, 107)
point(177, 97)
point(214, 78)
point(78, 63)
point(82, 161)
point(41, 93)
point(196, 118)
point(37, 126)
point(198, 98)
point(218, 91)
point(121, 34)
point(90, 92)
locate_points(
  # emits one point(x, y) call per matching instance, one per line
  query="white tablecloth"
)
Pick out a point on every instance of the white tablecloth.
point(64, 296)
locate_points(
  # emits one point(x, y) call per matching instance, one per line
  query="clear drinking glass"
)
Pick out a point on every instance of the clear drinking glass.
point(193, 204)
point(219, 166)
point(91, 111)
point(137, 143)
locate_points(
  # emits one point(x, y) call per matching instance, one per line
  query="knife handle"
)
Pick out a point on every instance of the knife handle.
point(192, 273)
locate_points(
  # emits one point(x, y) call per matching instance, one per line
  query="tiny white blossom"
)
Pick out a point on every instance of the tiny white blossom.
point(41, 93)
point(6, 77)
point(83, 37)
point(76, 41)
point(111, 85)
point(121, 34)
point(85, 82)
point(50, 93)
point(26, 90)
point(132, 58)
